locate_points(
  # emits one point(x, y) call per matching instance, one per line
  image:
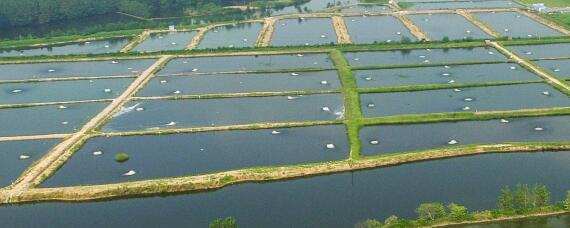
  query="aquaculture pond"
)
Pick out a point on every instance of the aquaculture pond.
point(303, 31)
point(338, 200)
point(385, 139)
point(241, 83)
point(514, 24)
point(231, 36)
point(462, 5)
point(90, 47)
point(49, 119)
point(200, 153)
point(423, 56)
point(372, 29)
point(159, 114)
point(366, 8)
point(492, 98)
point(73, 69)
point(165, 42)
point(556, 221)
point(543, 51)
point(559, 68)
point(311, 6)
point(450, 26)
point(500, 72)
point(58, 91)
point(16, 156)
point(246, 63)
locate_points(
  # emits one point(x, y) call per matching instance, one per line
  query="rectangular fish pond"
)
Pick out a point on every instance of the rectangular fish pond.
point(561, 50)
point(491, 98)
point(386, 139)
point(463, 5)
point(240, 83)
point(370, 29)
point(231, 36)
point(366, 8)
point(165, 42)
point(424, 56)
point(451, 26)
point(478, 73)
point(185, 113)
point(58, 91)
point(514, 24)
point(303, 31)
point(16, 156)
point(89, 47)
point(199, 153)
point(337, 200)
point(246, 63)
point(49, 119)
point(559, 68)
point(73, 69)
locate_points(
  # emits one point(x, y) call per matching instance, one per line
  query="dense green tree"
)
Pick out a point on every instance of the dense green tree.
point(541, 196)
point(567, 201)
point(430, 211)
point(457, 212)
point(229, 222)
point(369, 223)
point(506, 200)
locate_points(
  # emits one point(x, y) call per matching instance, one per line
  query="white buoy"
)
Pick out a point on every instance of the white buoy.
point(107, 90)
point(291, 98)
point(17, 91)
point(275, 132)
point(87, 42)
point(529, 35)
point(468, 31)
point(451, 81)
point(324, 83)
point(114, 62)
point(557, 70)
point(538, 129)
point(456, 90)
point(356, 59)
point(231, 46)
point(177, 92)
point(422, 56)
point(195, 69)
point(468, 99)
point(445, 74)
point(185, 62)
point(171, 124)
point(24, 157)
point(163, 81)
point(513, 68)
point(368, 78)
point(299, 55)
point(173, 43)
point(452, 142)
point(529, 53)
point(51, 70)
point(323, 36)
point(491, 53)
point(446, 67)
point(62, 107)
point(330, 146)
point(97, 153)
point(506, 30)
point(244, 39)
point(139, 109)
point(107, 46)
point(326, 109)
point(371, 105)
point(64, 122)
point(294, 74)
point(426, 61)
point(374, 142)
point(504, 121)
point(130, 173)
point(546, 93)
point(466, 108)
point(398, 33)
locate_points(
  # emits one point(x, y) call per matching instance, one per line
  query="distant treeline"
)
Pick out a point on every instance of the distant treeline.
point(28, 12)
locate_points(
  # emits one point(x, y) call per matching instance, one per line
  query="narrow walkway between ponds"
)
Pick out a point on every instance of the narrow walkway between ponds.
point(414, 29)
point(540, 72)
point(33, 137)
point(342, 35)
point(481, 25)
point(59, 154)
point(266, 33)
point(136, 41)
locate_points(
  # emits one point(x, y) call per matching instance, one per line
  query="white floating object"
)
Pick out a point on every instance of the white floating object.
point(160, 37)
point(106, 46)
point(130, 68)
point(529, 35)
point(529, 53)
point(451, 81)
point(323, 36)
point(274, 132)
point(513, 67)
point(17, 91)
point(291, 98)
point(557, 70)
point(368, 79)
point(62, 107)
point(452, 142)
point(468, 99)
point(371, 105)
point(538, 129)
point(244, 40)
point(97, 153)
point(231, 46)
point(171, 124)
point(65, 123)
point(163, 81)
point(294, 74)
point(324, 83)
point(422, 56)
point(299, 55)
point(456, 90)
point(491, 53)
point(130, 173)
point(356, 59)
point(446, 67)
point(468, 31)
point(114, 62)
point(194, 70)
point(177, 92)
point(307, 44)
point(374, 142)
point(330, 146)
point(185, 62)
point(326, 109)
point(398, 33)
point(87, 42)
point(504, 121)
point(173, 43)
point(445, 74)
point(466, 108)
point(388, 41)
point(24, 157)
point(426, 61)
point(107, 90)
point(506, 30)
point(546, 93)
point(139, 109)
point(51, 70)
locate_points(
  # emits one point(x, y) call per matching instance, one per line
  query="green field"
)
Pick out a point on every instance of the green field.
point(550, 3)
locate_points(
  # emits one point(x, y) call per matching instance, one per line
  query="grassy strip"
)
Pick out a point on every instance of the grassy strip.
point(27, 105)
point(411, 88)
point(271, 71)
point(353, 114)
point(239, 95)
point(544, 40)
point(419, 65)
point(464, 116)
point(65, 79)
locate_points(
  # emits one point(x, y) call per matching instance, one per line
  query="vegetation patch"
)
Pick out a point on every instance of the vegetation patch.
point(121, 157)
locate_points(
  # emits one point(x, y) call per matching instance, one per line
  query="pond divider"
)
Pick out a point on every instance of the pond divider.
point(546, 22)
point(414, 29)
point(342, 35)
point(33, 137)
point(481, 25)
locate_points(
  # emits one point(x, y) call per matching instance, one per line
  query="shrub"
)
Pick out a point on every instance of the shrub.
point(121, 157)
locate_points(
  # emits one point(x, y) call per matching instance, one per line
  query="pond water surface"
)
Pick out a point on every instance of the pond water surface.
point(91, 47)
point(165, 42)
point(559, 68)
point(452, 26)
point(514, 24)
point(372, 29)
point(543, 51)
point(303, 31)
point(11, 162)
point(366, 8)
point(231, 36)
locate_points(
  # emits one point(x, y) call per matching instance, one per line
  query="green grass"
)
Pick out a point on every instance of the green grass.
point(550, 3)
